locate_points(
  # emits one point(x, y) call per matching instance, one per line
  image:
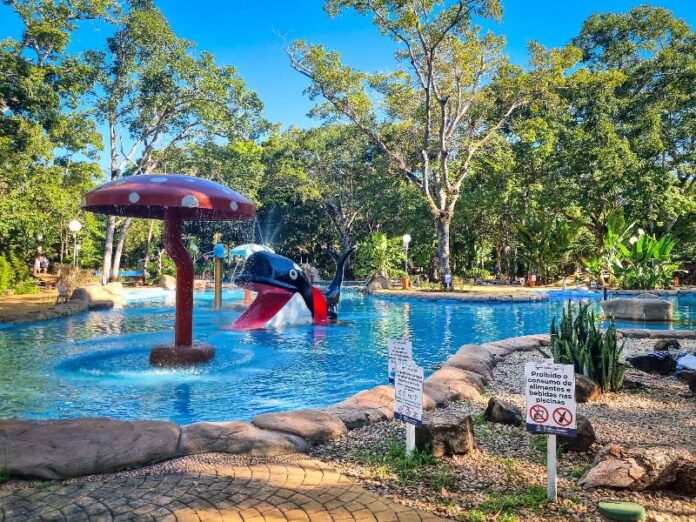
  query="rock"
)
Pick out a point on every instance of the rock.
point(502, 412)
point(451, 384)
point(622, 511)
point(495, 350)
point(471, 363)
point(648, 467)
point(378, 282)
point(585, 436)
point(446, 433)
point(56, 449)
point(647, 295)
point(689, 377)
point(101, 304)
point(98, 296)
point(586, 389)
point(662, 363)
point(355, 418)
point(167, 282)
point(662, 345)
point(474, 350)
point(648, 310)
point(198, 284)
point(240, 438)
point(312, 425)
point(379, 397)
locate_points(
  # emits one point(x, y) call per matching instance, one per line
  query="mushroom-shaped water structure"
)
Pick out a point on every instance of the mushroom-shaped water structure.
point(173, 198)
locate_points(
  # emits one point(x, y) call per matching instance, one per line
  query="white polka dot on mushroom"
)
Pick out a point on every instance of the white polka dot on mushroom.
point(158, 179)
point(233, 205)
point(189, 201)
point(133, 197)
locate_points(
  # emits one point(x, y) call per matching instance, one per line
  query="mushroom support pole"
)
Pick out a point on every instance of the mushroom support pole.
point(183, 322)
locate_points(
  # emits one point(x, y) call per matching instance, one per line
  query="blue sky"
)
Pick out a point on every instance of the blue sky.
point(251, 36)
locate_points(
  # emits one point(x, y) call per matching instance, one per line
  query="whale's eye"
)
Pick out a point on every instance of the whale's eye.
point(293, 274)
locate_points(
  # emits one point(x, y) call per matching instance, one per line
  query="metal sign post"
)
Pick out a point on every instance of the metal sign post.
point(408, 400)
point(551, 409)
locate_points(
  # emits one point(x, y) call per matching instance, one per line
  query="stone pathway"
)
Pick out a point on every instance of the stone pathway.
point(299, 491)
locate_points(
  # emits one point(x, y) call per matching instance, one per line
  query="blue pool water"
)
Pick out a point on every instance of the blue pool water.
point(95, 364)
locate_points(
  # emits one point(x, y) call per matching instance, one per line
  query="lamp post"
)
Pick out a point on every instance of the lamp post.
point(75, 226)
point(406, 239)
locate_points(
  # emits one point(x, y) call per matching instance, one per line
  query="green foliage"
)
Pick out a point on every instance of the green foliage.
point(476, 273)
point(4, 474)
point(579, 342)
point(6, 275)
point(379, 255)
point(545, 244)
point(647, 262)
point(533, 497)
point(393, 460)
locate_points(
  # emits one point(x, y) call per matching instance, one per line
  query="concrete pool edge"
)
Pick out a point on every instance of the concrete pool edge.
point(65, 448)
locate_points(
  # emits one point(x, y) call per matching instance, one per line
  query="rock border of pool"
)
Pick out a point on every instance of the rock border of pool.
point(65, 448)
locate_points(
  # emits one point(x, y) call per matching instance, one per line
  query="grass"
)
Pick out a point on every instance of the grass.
point(4, 475)
point(579, 471)
point(395, 461)
point(539, 445)
point(533, 497)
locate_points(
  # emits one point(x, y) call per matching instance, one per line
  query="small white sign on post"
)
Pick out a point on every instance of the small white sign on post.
point(408, 400)
point(551, 408)
point(400, 352)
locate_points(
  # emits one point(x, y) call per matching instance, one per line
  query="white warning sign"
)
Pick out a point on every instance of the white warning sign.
point(408, 393)
point(400, 352)
point(550, 394)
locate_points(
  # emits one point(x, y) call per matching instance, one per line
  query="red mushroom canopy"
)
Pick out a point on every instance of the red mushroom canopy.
point(148, 195)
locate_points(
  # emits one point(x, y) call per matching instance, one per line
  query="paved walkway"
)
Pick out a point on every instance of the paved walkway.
point(299, 491)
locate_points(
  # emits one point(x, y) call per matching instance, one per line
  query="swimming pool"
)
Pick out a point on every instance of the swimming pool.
point(96, 363)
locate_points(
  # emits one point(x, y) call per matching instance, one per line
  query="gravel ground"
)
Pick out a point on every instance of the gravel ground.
point(505, 478)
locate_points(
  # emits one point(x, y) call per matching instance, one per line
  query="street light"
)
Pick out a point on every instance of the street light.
point(406, 239)
point(75, 226)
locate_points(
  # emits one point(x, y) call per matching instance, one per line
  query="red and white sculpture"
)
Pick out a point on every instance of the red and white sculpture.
point(173, 198)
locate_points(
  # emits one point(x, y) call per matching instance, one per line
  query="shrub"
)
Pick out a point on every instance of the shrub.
point(579, 342)
point(379, 255)
point(5, 275)
point(476, 273)
point(25, 287)
point(647, 263)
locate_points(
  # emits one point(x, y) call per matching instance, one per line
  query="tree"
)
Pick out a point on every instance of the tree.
point(48, 146)
point(453, 92)
point(156, 92)
point(654, 53)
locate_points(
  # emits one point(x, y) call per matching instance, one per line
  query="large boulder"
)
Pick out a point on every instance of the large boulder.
point(100, 297)
point(586, 389)
point(472, 363)
point(452, 384)
point(647, 467)
point(585, 436)
point(662, 345)
point(662, 363)
point(689, 377)
point(312, 425)
point(377, 282)
point(380, 397)
point(643, 310)
point(446, 433)
point(167, 282)
point(502, 412)
point(56, 449)
point(240, 438)
point(479, 352)
point(355, 418)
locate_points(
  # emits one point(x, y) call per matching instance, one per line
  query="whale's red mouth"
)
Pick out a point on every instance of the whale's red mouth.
point(269, 301)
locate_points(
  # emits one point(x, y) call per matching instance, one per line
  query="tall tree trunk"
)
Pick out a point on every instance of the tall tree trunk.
point(443, 246)
point(108, 248)
point(116, 265)
point(148, 246)
point(111, 221)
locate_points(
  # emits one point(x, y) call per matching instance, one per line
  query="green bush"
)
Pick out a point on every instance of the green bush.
point(379, 255)
point(5, 275)
point(25, 287)
point(476, 273)
point(579, 342)
point(646, 263)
